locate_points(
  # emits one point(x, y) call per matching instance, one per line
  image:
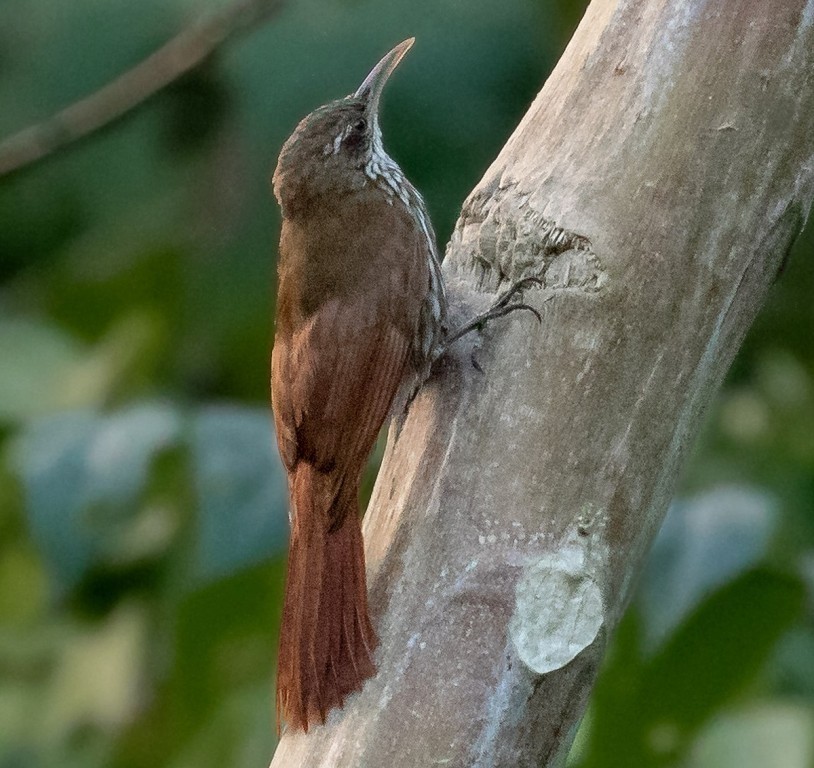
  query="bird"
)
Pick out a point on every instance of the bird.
point(361, 316)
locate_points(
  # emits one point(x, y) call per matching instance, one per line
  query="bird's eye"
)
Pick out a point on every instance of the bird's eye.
point(360, 126)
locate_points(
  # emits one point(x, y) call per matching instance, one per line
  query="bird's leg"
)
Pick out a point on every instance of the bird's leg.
point(507, 302)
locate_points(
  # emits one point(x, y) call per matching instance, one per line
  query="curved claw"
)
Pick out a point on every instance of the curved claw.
point(531, 280)
point(502, 307)
point(518, 287)
point(530, 309)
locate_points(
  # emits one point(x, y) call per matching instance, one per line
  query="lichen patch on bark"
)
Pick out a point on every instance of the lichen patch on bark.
point(559, 609)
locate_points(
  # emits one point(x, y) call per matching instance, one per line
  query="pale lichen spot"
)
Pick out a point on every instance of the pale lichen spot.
point(558, 609)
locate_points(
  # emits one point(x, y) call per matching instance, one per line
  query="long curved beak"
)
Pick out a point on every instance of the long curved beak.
point(373, 85)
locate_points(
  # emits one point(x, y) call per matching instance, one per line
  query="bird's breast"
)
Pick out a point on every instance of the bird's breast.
point(364, 248)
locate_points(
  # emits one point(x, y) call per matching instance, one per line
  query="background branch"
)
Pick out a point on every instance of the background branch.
point(187, 50)
point(656, 185)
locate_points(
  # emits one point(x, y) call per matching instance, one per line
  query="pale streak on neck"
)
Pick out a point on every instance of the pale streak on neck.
point(385, 172)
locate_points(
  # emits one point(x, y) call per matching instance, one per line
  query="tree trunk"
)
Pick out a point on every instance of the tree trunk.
point(656, 185)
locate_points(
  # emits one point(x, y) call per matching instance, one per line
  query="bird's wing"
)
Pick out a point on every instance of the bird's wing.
point(333, 382)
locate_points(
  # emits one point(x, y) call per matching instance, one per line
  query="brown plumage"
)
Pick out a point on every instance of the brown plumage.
point(360, 311)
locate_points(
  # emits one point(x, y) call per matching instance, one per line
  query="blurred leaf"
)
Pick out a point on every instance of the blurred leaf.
point(123, 447)
point(45, 370)
point(793, 665)
point(99, 679)
point(51, 461)
point(704, 542)
point(23, 586)
point(226, 638)
point(36, 360)
point(769, 735)
point(611, 737)
point(196, 106)
point(241, 489)
point(19, 706)
point(645, 712)
point(116, 363)
point(719, 649)
point(35, 220)
point(130, 263)
point(238, 735)
point(82, 475)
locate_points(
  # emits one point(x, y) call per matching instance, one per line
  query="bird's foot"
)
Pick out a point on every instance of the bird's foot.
point(509, 301)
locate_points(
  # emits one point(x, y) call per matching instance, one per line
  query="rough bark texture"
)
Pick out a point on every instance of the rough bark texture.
point(656, 184)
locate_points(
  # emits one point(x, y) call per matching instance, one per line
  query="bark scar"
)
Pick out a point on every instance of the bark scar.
point(501, 238)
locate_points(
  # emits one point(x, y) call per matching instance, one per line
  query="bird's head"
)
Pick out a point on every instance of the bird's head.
point(335, 148)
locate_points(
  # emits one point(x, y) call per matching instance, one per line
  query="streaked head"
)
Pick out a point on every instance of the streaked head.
point(332, 146)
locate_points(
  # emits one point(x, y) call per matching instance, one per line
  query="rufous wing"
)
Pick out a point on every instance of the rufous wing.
point(333, 383)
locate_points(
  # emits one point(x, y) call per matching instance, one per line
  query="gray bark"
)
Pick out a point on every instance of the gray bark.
point(656, 185)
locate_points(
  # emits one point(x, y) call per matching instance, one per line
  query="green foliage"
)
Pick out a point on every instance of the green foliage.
point(650, 707)
point(707, 660)
point(142, 506)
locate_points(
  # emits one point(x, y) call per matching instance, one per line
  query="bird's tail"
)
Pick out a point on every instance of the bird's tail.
point(326, 638)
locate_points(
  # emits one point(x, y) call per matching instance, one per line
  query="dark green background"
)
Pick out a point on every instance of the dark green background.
point(142, 509)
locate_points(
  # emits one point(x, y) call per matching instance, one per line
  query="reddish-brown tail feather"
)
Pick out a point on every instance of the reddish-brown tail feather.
point(326, 638)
